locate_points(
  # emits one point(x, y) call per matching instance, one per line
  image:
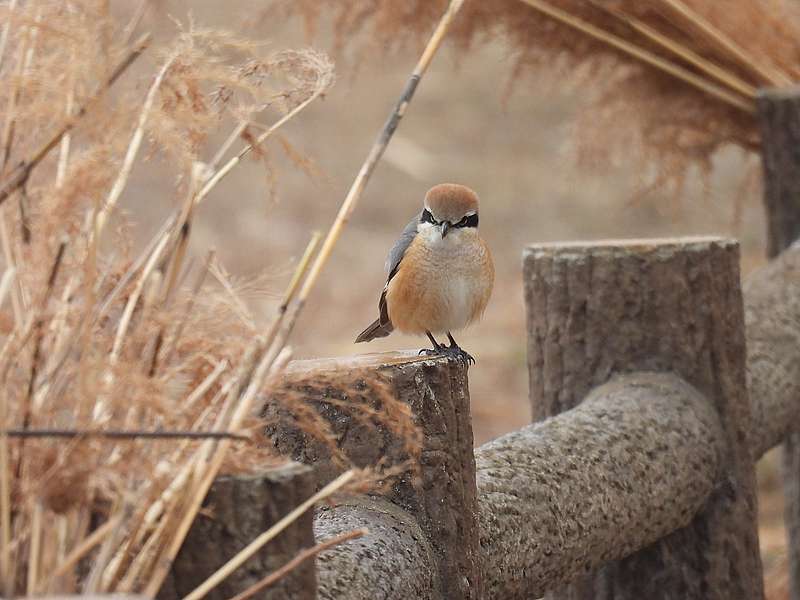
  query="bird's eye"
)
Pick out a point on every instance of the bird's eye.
point(468, 221)
point(427, 217)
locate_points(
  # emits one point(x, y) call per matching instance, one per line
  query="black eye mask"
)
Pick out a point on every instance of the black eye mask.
point(468, 221)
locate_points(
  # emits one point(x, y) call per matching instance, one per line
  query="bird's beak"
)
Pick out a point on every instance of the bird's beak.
point(445, 228)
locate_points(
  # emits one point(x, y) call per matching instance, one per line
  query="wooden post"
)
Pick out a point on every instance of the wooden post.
point(396, 560)
point(600, 309)
point(444, 500)
point(633, 463)
point(236, 510)
point(779, 119)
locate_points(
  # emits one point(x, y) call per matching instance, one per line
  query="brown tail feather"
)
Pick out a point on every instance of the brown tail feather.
point(375, 330)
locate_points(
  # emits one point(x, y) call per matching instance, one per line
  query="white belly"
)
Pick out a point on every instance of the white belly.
point(460, 297)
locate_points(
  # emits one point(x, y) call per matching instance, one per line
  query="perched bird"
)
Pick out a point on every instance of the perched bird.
point(440, 272)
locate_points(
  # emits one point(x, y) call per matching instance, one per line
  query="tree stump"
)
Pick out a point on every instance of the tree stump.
point(237, 509)
point(595, 310)
point(443, 501)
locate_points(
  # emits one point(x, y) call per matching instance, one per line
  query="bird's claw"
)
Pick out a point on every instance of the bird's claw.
point(454, 352)
point(461, 355)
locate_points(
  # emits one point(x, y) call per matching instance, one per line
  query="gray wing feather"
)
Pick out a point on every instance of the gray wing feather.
point(392, 262)
point(401, 245)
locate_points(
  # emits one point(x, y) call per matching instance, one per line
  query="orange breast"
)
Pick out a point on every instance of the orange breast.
point(441, 285)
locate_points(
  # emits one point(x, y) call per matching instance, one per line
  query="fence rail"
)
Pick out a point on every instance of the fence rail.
point(639, 465)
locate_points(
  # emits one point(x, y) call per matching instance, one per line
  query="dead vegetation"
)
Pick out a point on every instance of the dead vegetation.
point(664, 84)
point(96, 338)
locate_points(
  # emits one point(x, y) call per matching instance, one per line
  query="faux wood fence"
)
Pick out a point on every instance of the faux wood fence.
point(635, 480)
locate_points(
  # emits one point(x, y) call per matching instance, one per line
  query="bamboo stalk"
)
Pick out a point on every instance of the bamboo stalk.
point(258, 543)
point(296, 561)
point(376, 152)
point(643, 55)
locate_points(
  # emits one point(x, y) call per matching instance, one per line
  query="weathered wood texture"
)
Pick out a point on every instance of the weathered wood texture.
point(630, 465)
point(600, 309)
point(779, 121)
point(237, 509)
point(779, 118)
point(444, 500)
point(772, 317)
point(395, 561)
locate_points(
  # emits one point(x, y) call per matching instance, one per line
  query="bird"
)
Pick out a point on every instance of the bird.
point(440, 273)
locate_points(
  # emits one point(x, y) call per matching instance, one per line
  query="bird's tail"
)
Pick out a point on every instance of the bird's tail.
point(375, 330)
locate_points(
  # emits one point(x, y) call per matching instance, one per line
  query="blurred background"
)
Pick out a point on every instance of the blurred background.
point(467, 124)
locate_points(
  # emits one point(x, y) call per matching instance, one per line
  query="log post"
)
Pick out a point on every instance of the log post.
point(377, 565)
point(237, 509)
point(772, 320)
point(443, 501)
point(779, 120)
point(631, 464)
point(595, 310)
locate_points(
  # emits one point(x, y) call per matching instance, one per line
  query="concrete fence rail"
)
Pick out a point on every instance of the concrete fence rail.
point(636, 477)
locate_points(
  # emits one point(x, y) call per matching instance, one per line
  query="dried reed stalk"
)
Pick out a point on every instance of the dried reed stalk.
point(123, 435)
point(768, 75)
point(295, 562)
point(21, 173)
point(133, 149)
point(263, 539)
point(642, 55)
point(169, 372)
point(681, 51)
point(376, 152)
point(665, 84)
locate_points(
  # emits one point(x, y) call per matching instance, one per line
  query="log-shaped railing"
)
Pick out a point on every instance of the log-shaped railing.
point(635, 480)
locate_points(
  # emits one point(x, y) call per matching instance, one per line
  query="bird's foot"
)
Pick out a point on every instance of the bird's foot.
point(458, 353)
point(449, 351)
point(455, 349)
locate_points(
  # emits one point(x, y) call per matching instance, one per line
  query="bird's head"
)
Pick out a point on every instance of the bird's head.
point(449, 207)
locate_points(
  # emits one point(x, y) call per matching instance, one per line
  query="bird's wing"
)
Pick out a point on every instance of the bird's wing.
point(400, 246)
point(393, 262)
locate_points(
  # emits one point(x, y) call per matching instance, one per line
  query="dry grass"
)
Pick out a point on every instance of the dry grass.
point(665, 84)
point(94, 338)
